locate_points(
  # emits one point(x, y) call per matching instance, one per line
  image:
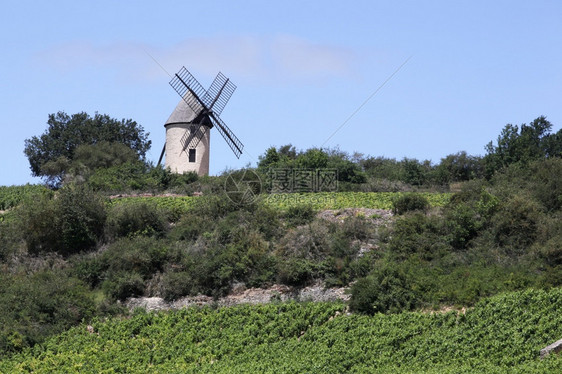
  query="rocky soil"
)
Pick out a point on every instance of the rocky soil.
point(244, 296)
point(241, 295)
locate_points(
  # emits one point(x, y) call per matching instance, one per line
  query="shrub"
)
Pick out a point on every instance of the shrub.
point(295, 272)
point(142, 255)
point(386, 290)
point(90, 269)
point(357, 228)
point(298, 215)
point(463, 224)
point(135, 218)
point(70, 222)
point(37, 306)
point(176, 285)
point(410, 202)
point(547, 183)
point(190, 227)
point(515, 223)
point(307, 242)
point(420, 236)
point(123, 285)
point(10, 239)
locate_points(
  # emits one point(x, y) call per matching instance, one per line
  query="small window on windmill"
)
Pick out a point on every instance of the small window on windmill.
point(192, 155)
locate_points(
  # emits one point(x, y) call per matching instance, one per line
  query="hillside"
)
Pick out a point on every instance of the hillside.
point(502, 334)
point(394, 238)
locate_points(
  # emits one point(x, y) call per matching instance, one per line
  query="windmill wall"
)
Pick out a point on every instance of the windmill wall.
point(177, 158)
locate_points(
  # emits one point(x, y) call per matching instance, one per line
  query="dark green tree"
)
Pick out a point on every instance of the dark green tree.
point(523, 144)
point(459, 167)
point(51, 154)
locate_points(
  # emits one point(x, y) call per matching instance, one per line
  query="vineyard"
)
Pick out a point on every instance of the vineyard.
point(11, 196)
point(319, 201)
point(502, 334)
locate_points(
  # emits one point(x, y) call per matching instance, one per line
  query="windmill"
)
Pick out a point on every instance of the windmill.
point(188, 128)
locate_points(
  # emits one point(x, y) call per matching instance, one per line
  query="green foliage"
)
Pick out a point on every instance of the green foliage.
point(177, 284)
point(70, 222)
point(299, 214)
point(50, 154)
point(34, 307)
point(122, 285)
point(102, 154)
point(386, 290)
point(130, 176)
point(286, 157)
point(522, 145)
point(546, 179)
point(499, 335)
point(410, 202)
point(418, 235)
point(342, 200)
point(218, 251)
point(12, 196)
point(459, 167)
point(515, 223)
point(414, 172)
point(468, 212)
point(135, 218)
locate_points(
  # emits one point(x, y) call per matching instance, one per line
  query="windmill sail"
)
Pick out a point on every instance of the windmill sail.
point(231, 139)
point(219, 93)
point(189, 89)
point(191, 138)
point(208, 103)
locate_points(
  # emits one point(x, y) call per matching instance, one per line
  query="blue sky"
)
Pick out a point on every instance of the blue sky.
point(301, 67)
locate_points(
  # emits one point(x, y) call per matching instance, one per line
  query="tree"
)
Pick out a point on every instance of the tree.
point(71, 222)
point(525, 144)
point(51, 154)
point(459, 167)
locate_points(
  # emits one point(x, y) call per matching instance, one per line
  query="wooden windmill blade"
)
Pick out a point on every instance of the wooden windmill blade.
point(204, 103)
point(192, 138)
point(219, 93)
point(231, 139)
point(189, 89)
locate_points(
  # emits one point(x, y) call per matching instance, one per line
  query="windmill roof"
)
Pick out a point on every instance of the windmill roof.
point(182, 114)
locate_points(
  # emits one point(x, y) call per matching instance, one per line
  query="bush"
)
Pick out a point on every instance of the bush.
point(37, 306)
point(125, 266)
point(122, 285)
point(298, 215)
point(191, 226)
point(295, 272)
point(69, 223)
point(130, 176)
point(463, 225)
point(142, 255)
point(410, 202)
point(420, 236)
point(515, 223)
point(357, 228)
point(90, 269)
point(386, 290)
point(547, 183)
point(135, 218)
point(176, 285)
point(307, 242)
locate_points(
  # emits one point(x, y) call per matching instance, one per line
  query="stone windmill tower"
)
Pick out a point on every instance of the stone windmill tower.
point(188, 133)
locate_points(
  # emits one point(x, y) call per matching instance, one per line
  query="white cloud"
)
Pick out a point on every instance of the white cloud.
point(274, 59)
point(301, 58)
